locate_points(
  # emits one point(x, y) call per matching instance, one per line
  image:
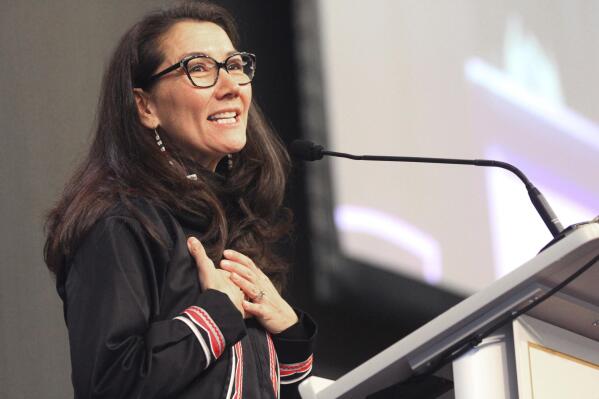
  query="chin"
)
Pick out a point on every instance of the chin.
point(235, 144)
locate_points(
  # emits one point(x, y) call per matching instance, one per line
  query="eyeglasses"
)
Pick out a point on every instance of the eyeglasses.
point(203, 71)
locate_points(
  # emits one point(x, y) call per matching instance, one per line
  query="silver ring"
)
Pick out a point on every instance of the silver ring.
point(259, 296)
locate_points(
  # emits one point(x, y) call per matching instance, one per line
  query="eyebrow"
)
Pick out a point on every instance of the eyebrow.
point(206, 55)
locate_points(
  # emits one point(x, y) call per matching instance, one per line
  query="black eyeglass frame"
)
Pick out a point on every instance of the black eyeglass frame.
point(183, 64)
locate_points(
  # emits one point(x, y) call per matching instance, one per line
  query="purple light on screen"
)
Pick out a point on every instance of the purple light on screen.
point(381, 225)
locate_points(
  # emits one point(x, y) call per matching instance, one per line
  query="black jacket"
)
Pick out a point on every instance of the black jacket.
point(140, 327)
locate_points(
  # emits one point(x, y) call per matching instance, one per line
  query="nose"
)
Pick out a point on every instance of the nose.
point(225, 85)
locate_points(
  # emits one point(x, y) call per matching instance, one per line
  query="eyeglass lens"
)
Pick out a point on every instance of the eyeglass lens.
point(203, 71)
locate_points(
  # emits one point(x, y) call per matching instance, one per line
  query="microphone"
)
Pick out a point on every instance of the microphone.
point(309, 151)
point(306, 150)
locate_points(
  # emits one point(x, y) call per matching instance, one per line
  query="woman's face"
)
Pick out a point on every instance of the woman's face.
point(190, 115)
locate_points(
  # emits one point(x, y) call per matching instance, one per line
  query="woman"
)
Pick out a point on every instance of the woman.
point(183, 171)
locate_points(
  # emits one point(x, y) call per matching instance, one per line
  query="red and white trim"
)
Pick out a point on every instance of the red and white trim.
point(293, 372)
point(238, 371)
point(232, 376)
point(273, 365)
point(238, 367)
point(208, 335)
point(199, 336)
point(201, 318)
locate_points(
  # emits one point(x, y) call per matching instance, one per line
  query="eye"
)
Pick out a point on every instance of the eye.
point(196, 68)
point(235, 67)
point(200, 65)
point(235, 64)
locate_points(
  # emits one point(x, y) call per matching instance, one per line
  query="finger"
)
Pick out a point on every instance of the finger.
point(224, 273)
point(238, 268)
point(204, 263)
point(253, 308)
point(240, 258)
point(246, 286)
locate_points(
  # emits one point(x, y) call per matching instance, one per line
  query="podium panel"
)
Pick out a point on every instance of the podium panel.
point(554, 363)
point(487, 371)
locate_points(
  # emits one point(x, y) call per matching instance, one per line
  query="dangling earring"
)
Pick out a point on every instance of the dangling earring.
point(159, 140)
point(229, 162)
point(160, 145)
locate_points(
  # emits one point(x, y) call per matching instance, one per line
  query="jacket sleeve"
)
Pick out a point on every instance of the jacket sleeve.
point(117, 349)
point(294, 348)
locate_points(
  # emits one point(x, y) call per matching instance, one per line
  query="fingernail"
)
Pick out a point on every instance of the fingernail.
point(191, 241)
point(228, 252)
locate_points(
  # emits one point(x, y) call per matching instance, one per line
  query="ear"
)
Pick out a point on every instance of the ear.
point(145, 110)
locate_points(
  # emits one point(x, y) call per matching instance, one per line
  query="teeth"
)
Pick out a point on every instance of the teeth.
point(225, 121)
point(223, 115)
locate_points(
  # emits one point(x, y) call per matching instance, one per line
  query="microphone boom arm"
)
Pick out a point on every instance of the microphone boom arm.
point(538, 200)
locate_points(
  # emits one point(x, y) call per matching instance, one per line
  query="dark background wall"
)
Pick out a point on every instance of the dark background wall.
point(53, 55)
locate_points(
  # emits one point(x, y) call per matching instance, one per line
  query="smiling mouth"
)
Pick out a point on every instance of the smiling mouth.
point(224, 118)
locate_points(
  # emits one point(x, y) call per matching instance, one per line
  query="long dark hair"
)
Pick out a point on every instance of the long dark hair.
point(124, 163)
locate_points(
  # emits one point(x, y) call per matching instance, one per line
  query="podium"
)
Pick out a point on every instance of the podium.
point(524, 336)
